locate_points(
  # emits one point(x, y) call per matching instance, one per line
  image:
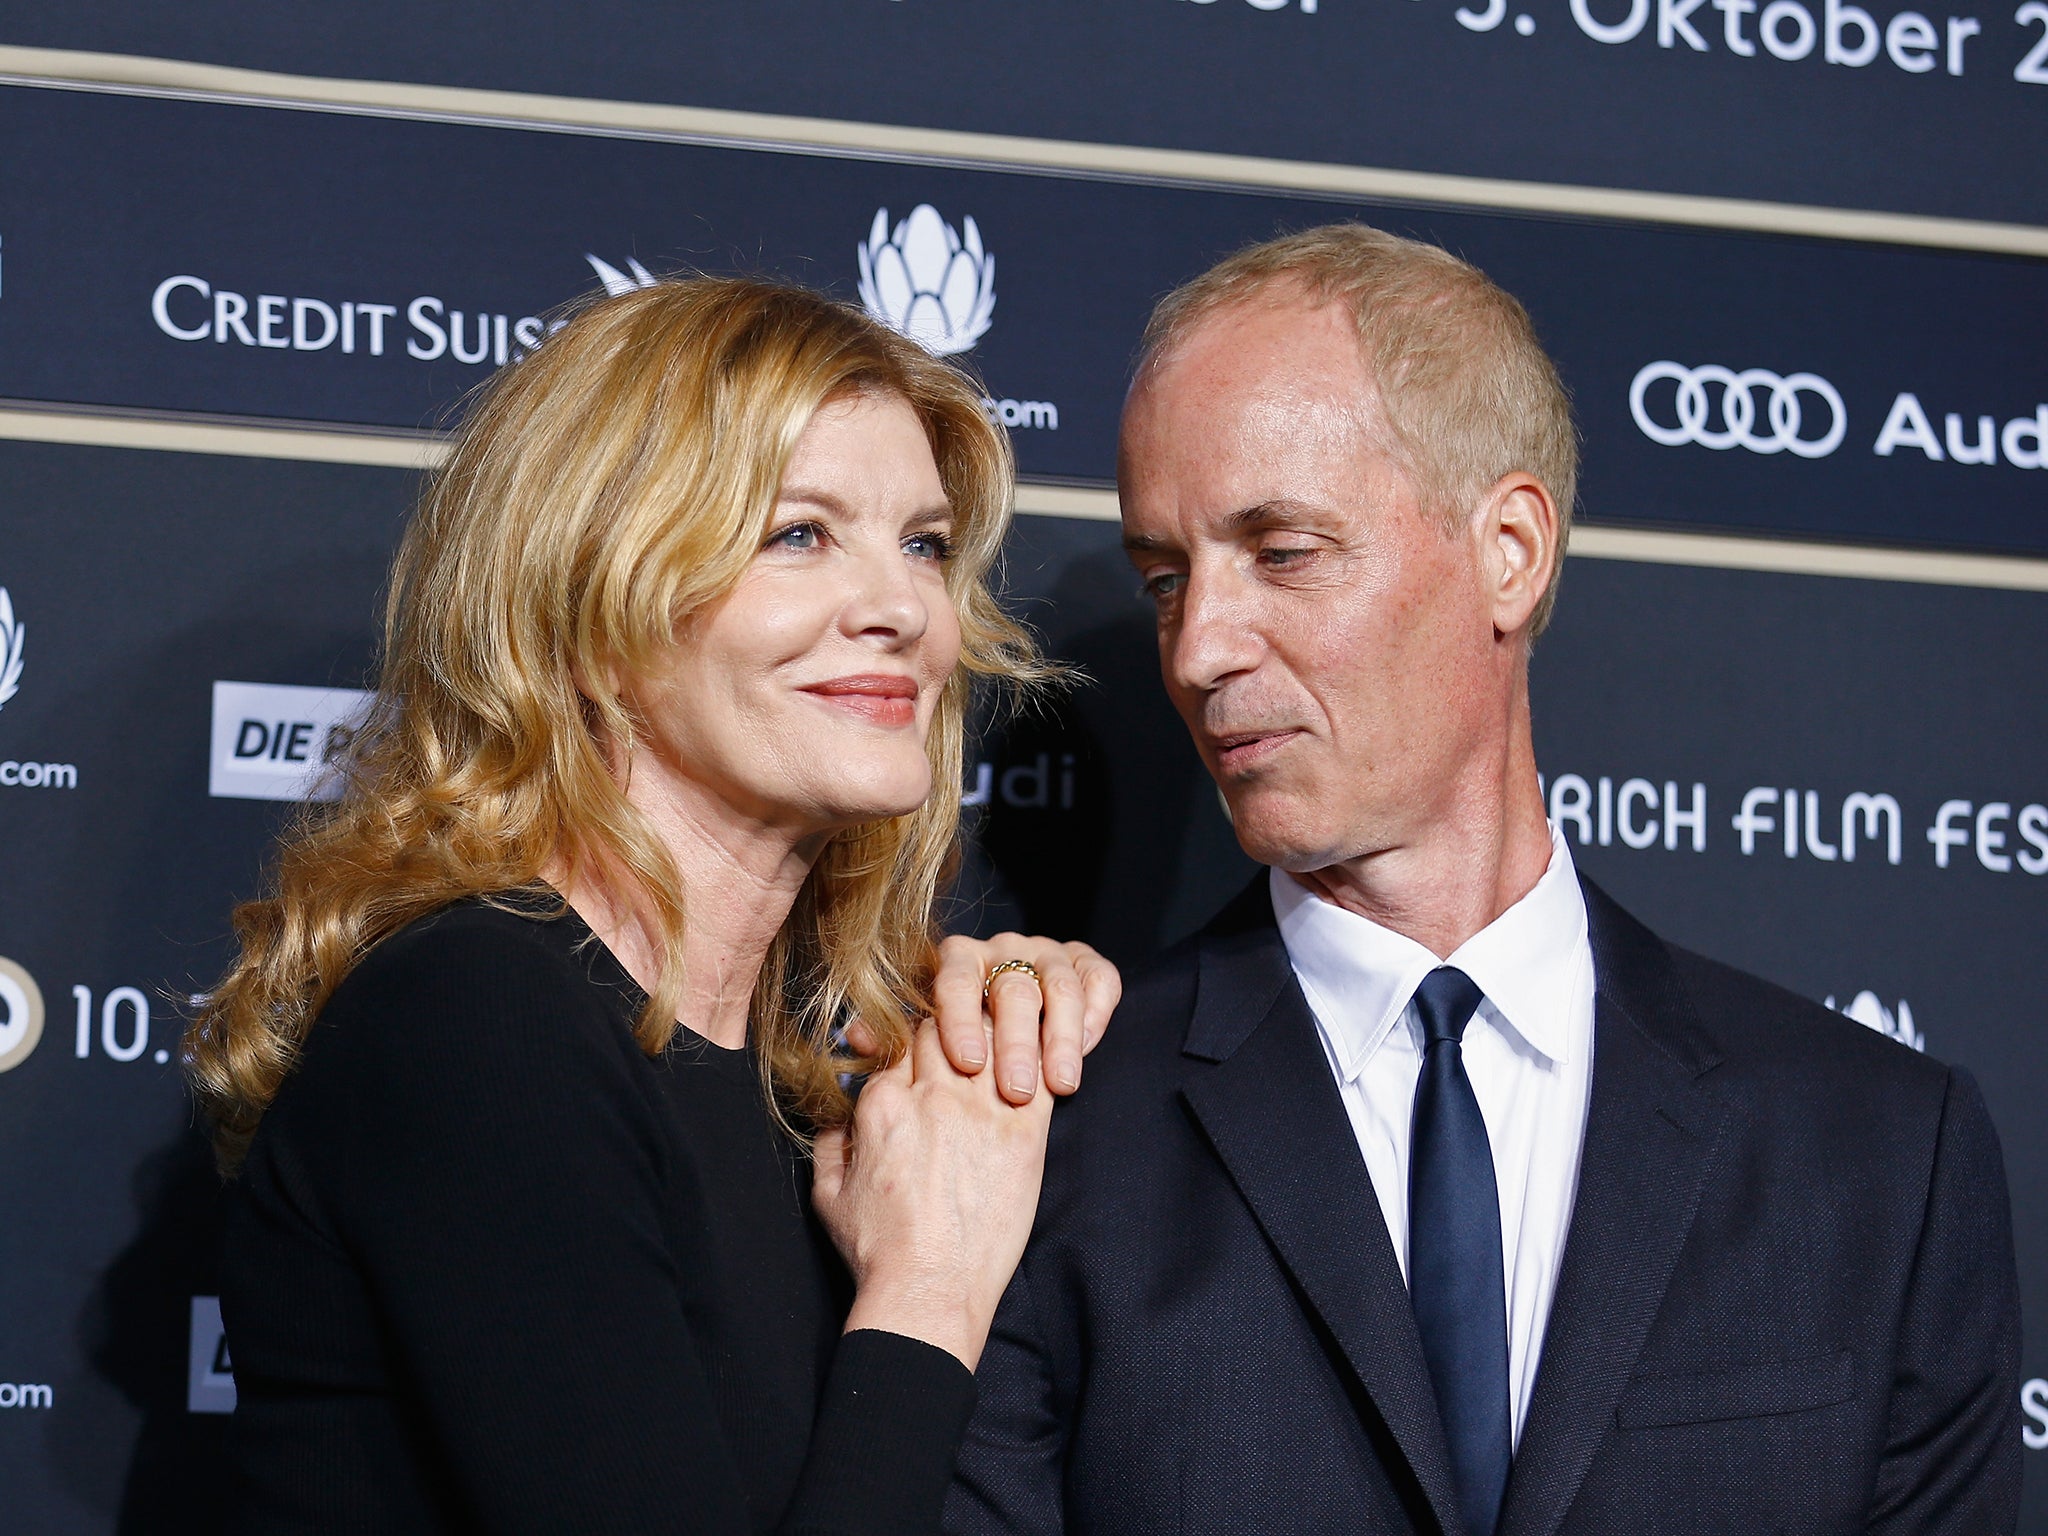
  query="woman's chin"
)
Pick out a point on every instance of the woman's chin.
point(855, 805)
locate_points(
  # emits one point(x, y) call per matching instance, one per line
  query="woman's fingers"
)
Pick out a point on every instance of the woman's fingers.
point(928, 1057)
point(1081, 991)
point(1102, 987)
point(1022, 1010)
point(1042, 1024)
point(1011, 1006)
point(1043, 1020)
point(956, 995)
point(828, 1167)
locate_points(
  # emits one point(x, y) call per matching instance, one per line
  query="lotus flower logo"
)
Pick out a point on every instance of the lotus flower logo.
point(12, 633)
point(934, 284)
point(1865, 1009)
point(617, 282)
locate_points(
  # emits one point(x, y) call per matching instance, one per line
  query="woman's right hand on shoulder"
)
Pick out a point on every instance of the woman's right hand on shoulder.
point(930, 1196)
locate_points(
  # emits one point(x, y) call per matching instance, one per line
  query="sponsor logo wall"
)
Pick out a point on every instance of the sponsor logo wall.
point(1724, 381)
point(1834, 782)
point(1922, 107)
point(275, 741)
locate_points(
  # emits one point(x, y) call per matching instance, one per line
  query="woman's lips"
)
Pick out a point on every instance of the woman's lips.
point(880, 698)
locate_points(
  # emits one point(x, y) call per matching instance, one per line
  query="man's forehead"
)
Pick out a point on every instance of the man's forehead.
point(1277, 325)
point(1250, 378)
point(1263, 415)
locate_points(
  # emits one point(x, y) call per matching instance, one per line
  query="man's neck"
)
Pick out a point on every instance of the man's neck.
point(1481, 855)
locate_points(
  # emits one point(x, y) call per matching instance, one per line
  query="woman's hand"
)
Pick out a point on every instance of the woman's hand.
point(931, 1197)
point(1055, 1022)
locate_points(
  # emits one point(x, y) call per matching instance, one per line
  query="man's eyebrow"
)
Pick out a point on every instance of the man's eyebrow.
point(1280, 509)
point(1263, 514)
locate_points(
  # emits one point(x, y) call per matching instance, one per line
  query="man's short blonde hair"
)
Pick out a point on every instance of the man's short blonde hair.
point(1467, 392)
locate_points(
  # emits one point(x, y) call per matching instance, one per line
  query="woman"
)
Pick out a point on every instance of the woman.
point(657, 797)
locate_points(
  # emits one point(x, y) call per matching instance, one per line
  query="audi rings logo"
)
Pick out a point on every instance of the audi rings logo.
point(1712, 393)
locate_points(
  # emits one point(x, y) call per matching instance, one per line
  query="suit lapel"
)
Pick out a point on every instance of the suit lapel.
point(1653, 1129)
point(1272, 1112)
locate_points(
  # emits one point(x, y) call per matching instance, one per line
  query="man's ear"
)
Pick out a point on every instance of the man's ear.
point(1522, 542)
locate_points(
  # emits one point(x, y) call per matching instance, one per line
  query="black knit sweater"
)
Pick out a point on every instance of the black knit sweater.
point(491, 1268)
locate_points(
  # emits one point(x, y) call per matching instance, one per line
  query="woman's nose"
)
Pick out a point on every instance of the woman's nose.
point(886, 599)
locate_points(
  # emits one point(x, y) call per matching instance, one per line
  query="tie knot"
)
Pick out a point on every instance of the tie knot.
point(1446, 1001)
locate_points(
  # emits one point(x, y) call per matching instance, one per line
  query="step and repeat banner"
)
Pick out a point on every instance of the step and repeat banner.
point(1931, 107)
point(1838, 783)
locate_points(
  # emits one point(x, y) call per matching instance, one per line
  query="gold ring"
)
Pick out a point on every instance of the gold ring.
point(1011, 965)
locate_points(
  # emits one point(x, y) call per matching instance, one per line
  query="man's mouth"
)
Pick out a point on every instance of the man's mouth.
point(1238, 751)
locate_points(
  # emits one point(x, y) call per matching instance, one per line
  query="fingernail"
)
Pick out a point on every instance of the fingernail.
point(1066, 1073)
point(975, 1059)
point(1022, 1086)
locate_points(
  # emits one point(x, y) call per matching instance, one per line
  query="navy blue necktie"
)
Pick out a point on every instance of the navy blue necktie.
point(1454, 1256)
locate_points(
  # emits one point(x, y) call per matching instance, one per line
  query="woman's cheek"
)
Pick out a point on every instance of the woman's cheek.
point(942, 638)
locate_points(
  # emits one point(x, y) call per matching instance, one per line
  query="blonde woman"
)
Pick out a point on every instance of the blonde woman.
point(517, 1064)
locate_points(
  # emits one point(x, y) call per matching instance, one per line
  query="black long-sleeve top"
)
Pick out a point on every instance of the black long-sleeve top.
point(489, 1267)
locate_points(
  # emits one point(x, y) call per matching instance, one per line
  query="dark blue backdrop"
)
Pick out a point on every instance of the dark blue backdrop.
point(143, 237)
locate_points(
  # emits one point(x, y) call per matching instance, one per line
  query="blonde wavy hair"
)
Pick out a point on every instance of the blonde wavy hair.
point(601, 492)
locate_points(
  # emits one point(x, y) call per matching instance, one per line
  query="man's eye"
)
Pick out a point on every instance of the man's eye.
point(798, 536)
point(1163, 586)
point(929, 546)
point(1284, 554)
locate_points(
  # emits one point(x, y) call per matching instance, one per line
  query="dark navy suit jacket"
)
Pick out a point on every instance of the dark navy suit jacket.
point(1788, 1301)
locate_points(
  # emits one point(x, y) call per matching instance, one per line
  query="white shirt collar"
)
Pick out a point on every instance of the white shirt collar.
point(1359, 976)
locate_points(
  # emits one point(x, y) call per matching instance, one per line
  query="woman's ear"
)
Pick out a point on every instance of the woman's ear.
point(608, 713)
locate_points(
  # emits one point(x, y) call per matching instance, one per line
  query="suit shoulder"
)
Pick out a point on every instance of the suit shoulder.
point(1159, 996)
point(1161, 992)
point(1146, 1036)
point(1138, 1062)
point(1765, 1029)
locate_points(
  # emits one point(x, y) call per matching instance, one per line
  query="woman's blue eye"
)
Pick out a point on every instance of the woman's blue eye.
point(798, 536)
point(929, 546)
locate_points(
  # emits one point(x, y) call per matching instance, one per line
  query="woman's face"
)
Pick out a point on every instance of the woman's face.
point(800, 702)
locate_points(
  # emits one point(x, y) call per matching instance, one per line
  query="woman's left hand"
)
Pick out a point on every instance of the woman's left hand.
point(1060, 1018)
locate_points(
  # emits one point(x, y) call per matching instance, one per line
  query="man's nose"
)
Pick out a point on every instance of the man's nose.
point(1214, 635)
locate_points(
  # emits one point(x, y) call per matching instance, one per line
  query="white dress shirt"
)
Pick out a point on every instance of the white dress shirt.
point(1528, 1052)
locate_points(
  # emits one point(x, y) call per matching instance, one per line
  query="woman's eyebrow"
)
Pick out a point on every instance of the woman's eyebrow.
point(813, 496)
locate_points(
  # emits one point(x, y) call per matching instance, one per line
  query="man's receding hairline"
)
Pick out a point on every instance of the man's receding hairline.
point(1374, 420)
point(1268, 291)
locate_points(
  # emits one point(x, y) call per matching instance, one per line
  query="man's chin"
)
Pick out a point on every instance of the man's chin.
point(1271, 833)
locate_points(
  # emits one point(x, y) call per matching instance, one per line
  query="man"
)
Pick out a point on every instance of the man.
point(1426, 1190)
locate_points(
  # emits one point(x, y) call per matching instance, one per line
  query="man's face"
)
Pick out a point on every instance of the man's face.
point(1329, 644)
